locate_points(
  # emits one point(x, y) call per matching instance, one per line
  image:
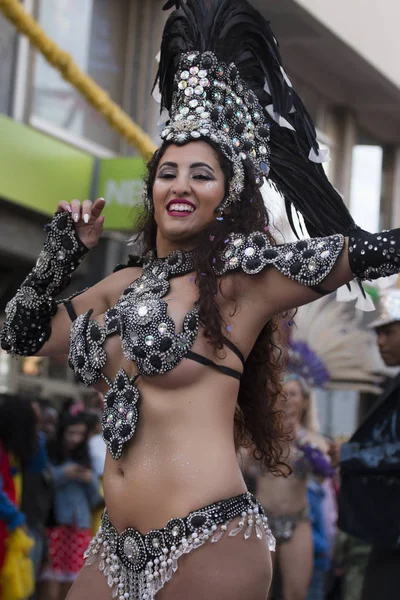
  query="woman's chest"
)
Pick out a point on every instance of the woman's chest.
point(150, 328)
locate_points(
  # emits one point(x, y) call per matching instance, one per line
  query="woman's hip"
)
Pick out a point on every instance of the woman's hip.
point(215, 547)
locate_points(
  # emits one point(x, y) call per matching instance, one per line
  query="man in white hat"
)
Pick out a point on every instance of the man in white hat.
point(369, 502)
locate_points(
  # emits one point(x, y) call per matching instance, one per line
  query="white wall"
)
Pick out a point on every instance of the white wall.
point(371, 27)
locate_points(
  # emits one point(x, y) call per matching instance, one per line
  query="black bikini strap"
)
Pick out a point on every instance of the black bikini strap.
point(70, 309)
point(320, 290)
point(209, 363)
point(234, 349)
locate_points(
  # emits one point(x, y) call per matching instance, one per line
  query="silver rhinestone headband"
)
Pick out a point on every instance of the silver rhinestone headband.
point(210, 100)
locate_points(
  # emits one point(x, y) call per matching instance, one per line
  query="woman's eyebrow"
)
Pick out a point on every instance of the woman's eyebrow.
point(201, 164)
point(169, 164)
point(192, 166)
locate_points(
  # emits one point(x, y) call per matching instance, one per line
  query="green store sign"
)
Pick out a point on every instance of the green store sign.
point(120, 183)
point(36, 171)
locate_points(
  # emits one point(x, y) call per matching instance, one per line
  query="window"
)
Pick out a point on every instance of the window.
point(366, 184)
point(95, 33)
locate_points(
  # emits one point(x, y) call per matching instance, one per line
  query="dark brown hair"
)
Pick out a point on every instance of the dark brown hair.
point(18, 426)
point(258, 424)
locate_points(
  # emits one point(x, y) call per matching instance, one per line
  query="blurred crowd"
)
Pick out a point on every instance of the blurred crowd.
point(51, 467)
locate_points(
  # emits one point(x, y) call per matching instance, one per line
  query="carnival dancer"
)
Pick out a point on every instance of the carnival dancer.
point(325, 351)
point(181, 342)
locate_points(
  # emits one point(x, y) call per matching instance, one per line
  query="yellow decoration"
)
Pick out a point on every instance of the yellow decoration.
point(63, 62)
point(16, 577)
point(17, 478)
point(97, 514)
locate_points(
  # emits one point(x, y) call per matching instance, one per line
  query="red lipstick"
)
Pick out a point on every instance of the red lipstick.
point(180, 207)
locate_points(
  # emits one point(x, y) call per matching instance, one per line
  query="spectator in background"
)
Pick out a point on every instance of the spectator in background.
point(76, 494)
point(37, 493)
point(48, 419)
point(369, 496)
point(18, 443)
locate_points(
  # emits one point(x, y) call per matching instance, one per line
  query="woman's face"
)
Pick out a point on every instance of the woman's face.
point(295, 403)
point(74, 435)
point(188, 187)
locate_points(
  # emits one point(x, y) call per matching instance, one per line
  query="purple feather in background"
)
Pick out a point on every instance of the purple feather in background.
point(319, 464)
point(305, 363)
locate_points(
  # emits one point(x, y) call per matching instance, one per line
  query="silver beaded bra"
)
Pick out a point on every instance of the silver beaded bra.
point(147, 333)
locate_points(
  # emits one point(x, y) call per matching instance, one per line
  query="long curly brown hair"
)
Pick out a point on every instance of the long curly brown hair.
point(258, 423)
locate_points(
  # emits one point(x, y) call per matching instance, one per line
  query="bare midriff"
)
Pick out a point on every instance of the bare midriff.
point(282, 496)
point(182, 456)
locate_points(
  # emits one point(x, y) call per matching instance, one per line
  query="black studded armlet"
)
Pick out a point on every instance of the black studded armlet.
point(374, 255)
point(307, 261)
point(27, 325)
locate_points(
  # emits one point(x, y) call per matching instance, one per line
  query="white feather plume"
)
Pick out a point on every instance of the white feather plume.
point(333, 333)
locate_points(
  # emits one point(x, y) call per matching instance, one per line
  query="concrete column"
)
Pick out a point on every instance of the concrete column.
point(347, 139)
point(396, 190)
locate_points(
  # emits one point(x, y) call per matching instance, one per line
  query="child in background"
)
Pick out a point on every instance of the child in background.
point(76, 495)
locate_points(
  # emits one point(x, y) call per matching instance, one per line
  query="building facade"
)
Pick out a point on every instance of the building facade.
point(341, 57)
point(54, 146)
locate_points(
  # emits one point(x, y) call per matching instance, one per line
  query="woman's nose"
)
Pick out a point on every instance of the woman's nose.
point(181, 186)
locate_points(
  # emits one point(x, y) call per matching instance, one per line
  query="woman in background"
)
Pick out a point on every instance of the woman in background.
point(285, 499)
point(76, 493)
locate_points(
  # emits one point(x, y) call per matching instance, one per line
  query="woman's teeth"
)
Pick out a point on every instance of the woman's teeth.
point(180, 208)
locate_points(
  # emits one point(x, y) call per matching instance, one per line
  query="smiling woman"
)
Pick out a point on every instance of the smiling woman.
point(184, 342)
point(183, 204)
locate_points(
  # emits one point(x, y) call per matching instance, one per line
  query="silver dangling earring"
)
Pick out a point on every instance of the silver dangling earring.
point(220, 211)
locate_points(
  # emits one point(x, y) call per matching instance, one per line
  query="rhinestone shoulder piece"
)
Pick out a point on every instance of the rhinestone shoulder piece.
point(307, 261)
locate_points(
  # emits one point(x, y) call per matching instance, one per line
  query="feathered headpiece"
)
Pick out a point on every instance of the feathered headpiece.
point(221, 78)
point(329, 349)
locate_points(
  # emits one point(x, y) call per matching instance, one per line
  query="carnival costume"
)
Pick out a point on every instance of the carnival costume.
point(220, 79)
point(329, 351)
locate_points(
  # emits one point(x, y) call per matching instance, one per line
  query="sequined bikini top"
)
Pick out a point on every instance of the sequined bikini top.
point(148, 338)
point(147, 333)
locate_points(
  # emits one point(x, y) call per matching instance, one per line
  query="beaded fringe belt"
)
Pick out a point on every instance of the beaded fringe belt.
point(137, 566)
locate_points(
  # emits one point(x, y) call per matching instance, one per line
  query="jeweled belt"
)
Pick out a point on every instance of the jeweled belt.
point(137, 566)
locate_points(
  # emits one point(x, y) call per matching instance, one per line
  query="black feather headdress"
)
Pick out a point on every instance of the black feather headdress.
point(240, 39)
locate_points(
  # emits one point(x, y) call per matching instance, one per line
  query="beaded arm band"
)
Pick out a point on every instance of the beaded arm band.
point(374, 255)
point(28, 315)
point(307, 261)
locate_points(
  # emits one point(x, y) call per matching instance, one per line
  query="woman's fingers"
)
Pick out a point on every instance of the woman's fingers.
point(63, 206)
point(76, 210)
point(83, 211)
point(98, 226)
point(86, 211)
point(98, 206)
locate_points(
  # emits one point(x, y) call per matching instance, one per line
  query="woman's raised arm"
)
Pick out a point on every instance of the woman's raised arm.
point(35, 323)
point(307, 269)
